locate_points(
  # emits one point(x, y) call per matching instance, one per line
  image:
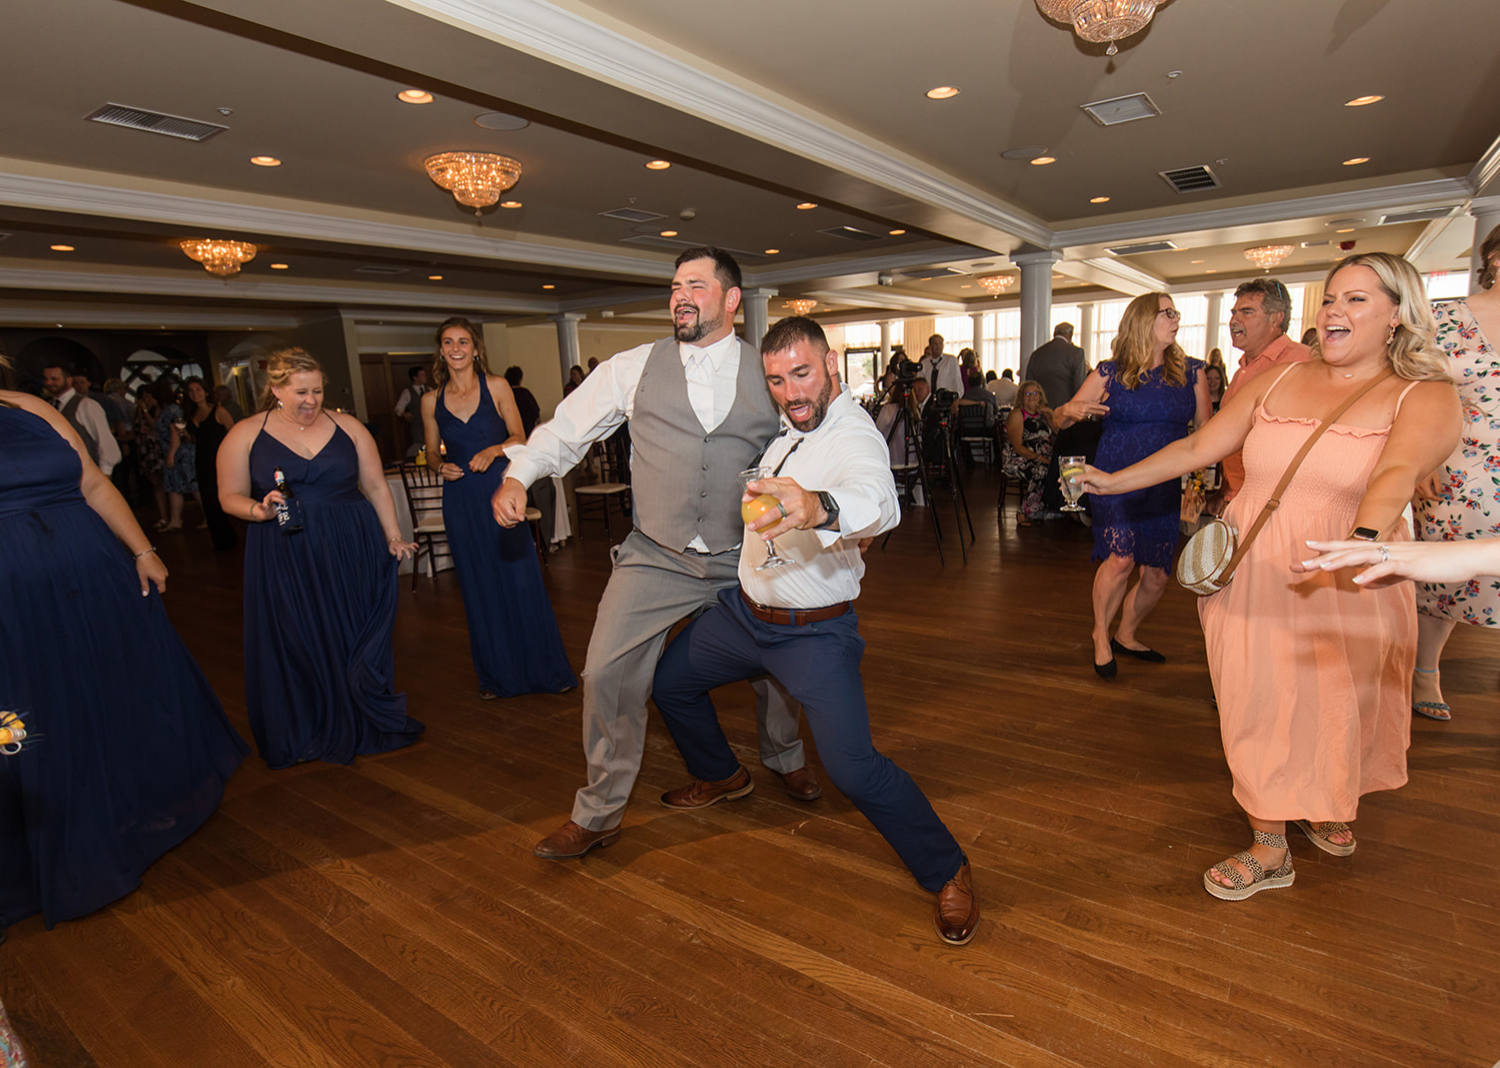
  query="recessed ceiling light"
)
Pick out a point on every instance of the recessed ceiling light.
point(1345, 230)
point(1197, 261)
point(1098, 200)
point(61, 248)
point(942, 92)
point(549, 285)
point(1361, 101)
point(806, 205)
point(510, 203)
point(434, 278)
point(265, 161)
point(658, 165)
point(1211, 270)
point(414, 96)
point(895, 233)
point(669, 233)
point(280, 266)
point(1356, 161)
point(965, 287)
point(1042, 161)
point(773, 252)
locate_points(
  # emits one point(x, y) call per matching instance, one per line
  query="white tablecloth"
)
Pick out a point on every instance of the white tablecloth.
point(440, 556)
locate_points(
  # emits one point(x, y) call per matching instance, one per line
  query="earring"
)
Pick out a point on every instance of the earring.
point(279, 405)
point(1390, 335)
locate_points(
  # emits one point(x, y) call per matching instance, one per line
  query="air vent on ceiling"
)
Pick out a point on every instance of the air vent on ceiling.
point(923, 274)
point(849, 233)
point(1190, 179)
point(1120, 109)
point(1425, 215)
point(1144, 246)
point(155, 122)
point(381, 268)
point(635, 215)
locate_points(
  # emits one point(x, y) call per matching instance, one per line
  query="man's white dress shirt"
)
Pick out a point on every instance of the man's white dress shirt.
point(90, 413)
point(948, 374)
point(846, 456)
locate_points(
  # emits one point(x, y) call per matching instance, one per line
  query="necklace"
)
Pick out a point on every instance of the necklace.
point(289, 419)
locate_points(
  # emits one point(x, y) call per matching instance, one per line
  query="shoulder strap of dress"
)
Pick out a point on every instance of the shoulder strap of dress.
point(266, 420)
point(1402, 397)
point(1284, 372)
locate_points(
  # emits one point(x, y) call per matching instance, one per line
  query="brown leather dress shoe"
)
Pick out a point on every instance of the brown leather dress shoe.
point(802, 784)
point(571, 840)
point(956, 913)
point(701, 794)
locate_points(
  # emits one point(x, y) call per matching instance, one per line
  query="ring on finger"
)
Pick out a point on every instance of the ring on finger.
point(1385, 554)
point(782, 508)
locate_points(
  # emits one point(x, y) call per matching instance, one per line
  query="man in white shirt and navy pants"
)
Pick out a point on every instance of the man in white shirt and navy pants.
point(834, 487)
point(699, 415)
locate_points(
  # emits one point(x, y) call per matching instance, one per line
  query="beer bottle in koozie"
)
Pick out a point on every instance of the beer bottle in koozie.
point(289, 508)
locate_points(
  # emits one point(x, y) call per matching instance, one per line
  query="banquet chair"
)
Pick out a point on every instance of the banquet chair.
point(976, 434)
point(424, 499)
point(610, 458)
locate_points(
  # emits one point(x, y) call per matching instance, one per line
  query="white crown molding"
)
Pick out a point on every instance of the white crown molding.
point(209, 288)
point(889, 301)
point(180, 317)
point(221, 216)
point(1487, 169)
point(567, 38)
point(866, 265)
point(1113, 274)
point(1437, 192)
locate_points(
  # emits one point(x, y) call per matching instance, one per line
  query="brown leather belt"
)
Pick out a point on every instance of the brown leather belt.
point(792, 617)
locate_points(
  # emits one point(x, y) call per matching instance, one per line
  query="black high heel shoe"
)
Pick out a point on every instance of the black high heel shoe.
point(1151, 656)
point(1107, 671)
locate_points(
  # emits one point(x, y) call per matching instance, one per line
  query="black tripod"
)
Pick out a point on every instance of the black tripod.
point(918, 449)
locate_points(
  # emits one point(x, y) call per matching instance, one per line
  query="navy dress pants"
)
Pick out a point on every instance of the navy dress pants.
point(818, 663)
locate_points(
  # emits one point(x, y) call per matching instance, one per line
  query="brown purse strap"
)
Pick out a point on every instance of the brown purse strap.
point(1274, 502)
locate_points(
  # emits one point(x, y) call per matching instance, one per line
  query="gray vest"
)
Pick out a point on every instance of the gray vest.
point(682, 480)
point(70, 413)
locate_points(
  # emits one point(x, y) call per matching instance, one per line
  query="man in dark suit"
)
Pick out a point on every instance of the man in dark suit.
point(1059, 366)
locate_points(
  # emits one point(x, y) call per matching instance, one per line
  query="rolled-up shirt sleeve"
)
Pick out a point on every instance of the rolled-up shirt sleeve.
point(593, 411)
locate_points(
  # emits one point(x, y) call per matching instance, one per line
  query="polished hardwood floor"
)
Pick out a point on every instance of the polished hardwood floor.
point(391, 913)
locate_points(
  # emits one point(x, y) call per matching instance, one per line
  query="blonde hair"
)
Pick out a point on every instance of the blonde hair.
point(1412, 349)
point(1135, 346)
point(1030, 383)
point(281, 365)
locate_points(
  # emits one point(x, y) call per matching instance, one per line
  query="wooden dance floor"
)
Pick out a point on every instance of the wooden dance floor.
point(391, 913)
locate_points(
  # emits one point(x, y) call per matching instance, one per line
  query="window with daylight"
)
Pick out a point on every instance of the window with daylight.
point(1192, 328)
point(1106, 327)
point(957, 331)
point(1002, 341)
point(1445, 285)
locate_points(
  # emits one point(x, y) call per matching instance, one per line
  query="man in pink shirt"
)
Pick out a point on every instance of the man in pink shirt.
point(1257, 324)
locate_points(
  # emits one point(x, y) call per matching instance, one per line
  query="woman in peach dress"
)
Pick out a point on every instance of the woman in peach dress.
point(1312, 674)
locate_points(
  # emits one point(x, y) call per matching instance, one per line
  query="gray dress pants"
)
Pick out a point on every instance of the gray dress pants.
point(649, 591)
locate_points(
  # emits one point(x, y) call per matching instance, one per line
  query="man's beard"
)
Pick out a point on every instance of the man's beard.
point(697, 329)
point(817, 409)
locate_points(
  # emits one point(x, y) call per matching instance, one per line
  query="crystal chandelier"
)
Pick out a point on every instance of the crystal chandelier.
point(1267, 256)
point(995, 284)
point(476, 179)
point(1101, 20)
point(222, 258)
point(801, 306)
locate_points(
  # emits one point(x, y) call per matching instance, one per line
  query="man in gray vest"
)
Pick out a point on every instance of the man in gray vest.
point(84, 414)
point(699, 414)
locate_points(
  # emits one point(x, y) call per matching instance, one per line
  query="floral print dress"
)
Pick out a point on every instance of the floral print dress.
point(1468, 505)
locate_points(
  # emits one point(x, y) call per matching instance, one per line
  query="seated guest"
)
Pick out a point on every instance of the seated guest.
point(1028, 451)
point(1004, 388)
point(977, 394)
point(797, 623)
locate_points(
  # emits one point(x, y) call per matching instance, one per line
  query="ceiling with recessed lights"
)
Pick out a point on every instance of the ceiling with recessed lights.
point(810, 130)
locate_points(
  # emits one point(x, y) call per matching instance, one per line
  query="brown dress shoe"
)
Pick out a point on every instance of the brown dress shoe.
point(571, 840)
point(956, 913)
point(701, 794)
point(802, 784)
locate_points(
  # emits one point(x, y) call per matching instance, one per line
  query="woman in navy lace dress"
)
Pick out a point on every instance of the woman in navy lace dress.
point(1150, 394)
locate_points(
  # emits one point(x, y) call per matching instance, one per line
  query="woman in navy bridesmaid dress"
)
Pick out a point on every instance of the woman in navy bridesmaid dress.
point(320, 601)
point(128, 748)
point(513, 635)
point(1150, 395)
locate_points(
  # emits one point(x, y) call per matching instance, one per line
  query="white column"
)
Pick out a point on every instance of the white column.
point(756, 303)
point(568, 352)
point(1036, 298)
point(1085, 339)
point(885, 347)
point(1215, 312)
point(1486, 212)
point(978, 318)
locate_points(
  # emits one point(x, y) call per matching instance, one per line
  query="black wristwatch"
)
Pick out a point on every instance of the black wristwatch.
point(1364, 534)
point(830, 506)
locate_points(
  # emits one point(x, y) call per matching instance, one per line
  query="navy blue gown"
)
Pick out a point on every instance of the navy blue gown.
point(129, 749)
point(1142, 524)
point(320, 611)
point(513, 634)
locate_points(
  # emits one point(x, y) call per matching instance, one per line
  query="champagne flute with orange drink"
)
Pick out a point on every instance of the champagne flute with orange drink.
point(756, 507)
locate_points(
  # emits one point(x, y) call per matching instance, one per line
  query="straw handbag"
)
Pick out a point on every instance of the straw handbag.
point(1209, 559)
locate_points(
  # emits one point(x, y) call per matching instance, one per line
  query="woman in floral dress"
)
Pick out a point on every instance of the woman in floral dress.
point(1462, 499)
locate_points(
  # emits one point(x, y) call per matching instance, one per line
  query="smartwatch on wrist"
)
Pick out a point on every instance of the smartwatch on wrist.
point(1364, 534)
point(830, 506)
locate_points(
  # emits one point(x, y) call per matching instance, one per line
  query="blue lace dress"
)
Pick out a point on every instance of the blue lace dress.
point(1142, 524)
